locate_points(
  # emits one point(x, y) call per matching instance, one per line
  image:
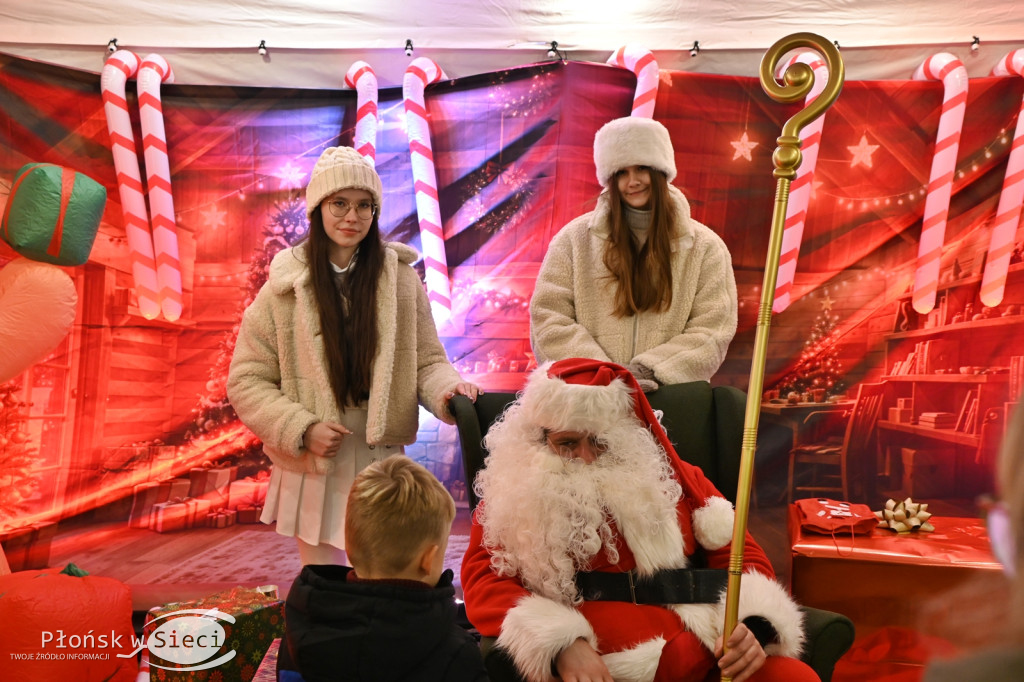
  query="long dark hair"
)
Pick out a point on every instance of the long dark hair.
point(643, 274)
point(350, 338)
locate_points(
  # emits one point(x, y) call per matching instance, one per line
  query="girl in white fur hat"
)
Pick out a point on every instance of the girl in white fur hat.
point(334, 355)
point(636, 281)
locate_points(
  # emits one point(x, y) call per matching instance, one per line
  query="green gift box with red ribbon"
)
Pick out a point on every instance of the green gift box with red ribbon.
point(52, 214)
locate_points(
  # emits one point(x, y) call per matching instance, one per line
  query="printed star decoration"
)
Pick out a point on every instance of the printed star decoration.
point(862, 152)
point(291, 176)
point(826, 304)
point(743, 147)
point(213, 217)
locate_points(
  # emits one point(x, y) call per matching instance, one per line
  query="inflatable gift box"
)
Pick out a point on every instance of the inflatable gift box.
point(52, 214)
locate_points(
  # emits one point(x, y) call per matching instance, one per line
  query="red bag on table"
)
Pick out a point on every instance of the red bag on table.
point(831, 517)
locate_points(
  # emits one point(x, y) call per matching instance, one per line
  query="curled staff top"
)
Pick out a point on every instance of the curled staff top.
point(798, 82)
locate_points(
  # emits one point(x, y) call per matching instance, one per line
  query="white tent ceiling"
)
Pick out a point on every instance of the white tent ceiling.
point(311, 43)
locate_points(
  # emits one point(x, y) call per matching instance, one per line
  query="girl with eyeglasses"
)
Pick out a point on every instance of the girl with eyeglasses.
point(334, 355)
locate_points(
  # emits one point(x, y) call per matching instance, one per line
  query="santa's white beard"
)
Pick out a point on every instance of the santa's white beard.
point(545, 517)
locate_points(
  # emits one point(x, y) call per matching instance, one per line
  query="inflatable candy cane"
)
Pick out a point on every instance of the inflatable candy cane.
point(121, 66)
point(950, 70)
point(152, 72)
point(421, 72)
point(1000, 247)
point(800, 190)
point(143, 674)
point(642, 63)
point(363, 80)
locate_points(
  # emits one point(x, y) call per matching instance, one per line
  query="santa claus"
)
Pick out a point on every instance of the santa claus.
point(596, 553)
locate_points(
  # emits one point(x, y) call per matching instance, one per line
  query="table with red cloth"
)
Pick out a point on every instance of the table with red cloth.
point(884, 578)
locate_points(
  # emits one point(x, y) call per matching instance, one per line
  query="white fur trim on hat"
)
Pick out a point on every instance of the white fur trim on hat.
point(713, 523)
point(556, 405)
point(341, 168)
point(536, 630)
point(633, 141)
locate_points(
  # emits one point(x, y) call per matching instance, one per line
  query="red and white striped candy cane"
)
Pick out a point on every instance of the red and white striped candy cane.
point(152, 72)
point(421, 72)
point(121, 66)
point(1000, 247)
point(950, 70)
point(363, 80)
point(641, 62)
point(143, 674)
point(800, 189)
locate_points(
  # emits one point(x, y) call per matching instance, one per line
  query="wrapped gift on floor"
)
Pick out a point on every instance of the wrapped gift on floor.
point(259, 620)
point(146, 495)
point(267, 672)
point(249, 514)
point(249, 492)
point(222, 518)
point(211, 483)
point(179, 514)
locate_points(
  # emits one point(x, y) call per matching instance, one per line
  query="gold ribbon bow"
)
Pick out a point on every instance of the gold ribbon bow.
point(905, 517)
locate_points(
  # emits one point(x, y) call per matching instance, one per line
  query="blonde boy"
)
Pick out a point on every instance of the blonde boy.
point(397, 522)
point(392, 615)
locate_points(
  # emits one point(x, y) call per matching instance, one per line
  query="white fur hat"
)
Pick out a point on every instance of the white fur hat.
point(341, 168)
point(633, 141)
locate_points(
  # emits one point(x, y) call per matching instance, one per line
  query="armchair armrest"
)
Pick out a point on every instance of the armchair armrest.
point(470, 441)
point(829, 636)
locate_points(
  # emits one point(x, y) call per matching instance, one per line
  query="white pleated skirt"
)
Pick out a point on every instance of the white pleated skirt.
point(310, 506)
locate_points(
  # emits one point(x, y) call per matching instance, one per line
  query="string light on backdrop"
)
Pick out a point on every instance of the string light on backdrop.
point(112, 45)
point(262, 49)
point(695, 50)
point(408, 47)
point(975, 44)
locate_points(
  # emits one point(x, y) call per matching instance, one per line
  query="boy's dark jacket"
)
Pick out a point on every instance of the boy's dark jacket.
point(380, 631)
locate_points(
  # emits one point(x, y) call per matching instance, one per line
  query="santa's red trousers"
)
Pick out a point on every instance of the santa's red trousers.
point(685, 659)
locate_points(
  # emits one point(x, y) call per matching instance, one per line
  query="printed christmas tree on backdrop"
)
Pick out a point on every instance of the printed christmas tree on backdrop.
point(288, 226)
point(17, 482)
point(819, 365)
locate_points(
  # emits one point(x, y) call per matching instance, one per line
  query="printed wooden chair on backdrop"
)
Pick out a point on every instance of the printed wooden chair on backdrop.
point(828, 463)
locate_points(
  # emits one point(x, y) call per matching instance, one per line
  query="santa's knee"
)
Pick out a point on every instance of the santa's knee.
point(784, 669)
point(684, 659)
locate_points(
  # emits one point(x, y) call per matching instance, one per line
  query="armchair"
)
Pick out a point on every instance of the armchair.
point(705, 425)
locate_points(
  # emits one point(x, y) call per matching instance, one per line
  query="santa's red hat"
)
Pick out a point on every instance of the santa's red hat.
point(579, 394)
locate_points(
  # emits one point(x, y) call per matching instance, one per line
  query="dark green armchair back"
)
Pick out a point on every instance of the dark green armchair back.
point(705, 425)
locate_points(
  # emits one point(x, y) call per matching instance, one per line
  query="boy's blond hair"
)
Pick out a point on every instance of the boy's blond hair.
point(396, 508)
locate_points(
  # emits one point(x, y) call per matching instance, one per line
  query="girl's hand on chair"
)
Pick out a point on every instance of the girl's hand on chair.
point(465, 388)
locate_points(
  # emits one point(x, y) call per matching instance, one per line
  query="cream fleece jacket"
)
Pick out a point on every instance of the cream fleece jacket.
point(571, 311)
point(278, 381)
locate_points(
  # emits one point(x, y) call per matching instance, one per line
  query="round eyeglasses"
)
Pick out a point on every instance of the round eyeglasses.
point(340, 208)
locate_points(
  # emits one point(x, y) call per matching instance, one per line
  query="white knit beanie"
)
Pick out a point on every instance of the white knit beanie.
point(341, 168)
point(633, 141)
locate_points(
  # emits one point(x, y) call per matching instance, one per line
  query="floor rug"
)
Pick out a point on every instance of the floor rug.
point(264, 557)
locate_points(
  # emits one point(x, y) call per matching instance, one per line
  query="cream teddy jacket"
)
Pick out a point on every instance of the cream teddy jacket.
point(278, 381)
point(571, 311)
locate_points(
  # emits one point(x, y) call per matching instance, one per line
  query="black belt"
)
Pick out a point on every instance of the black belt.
point(669, 586)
